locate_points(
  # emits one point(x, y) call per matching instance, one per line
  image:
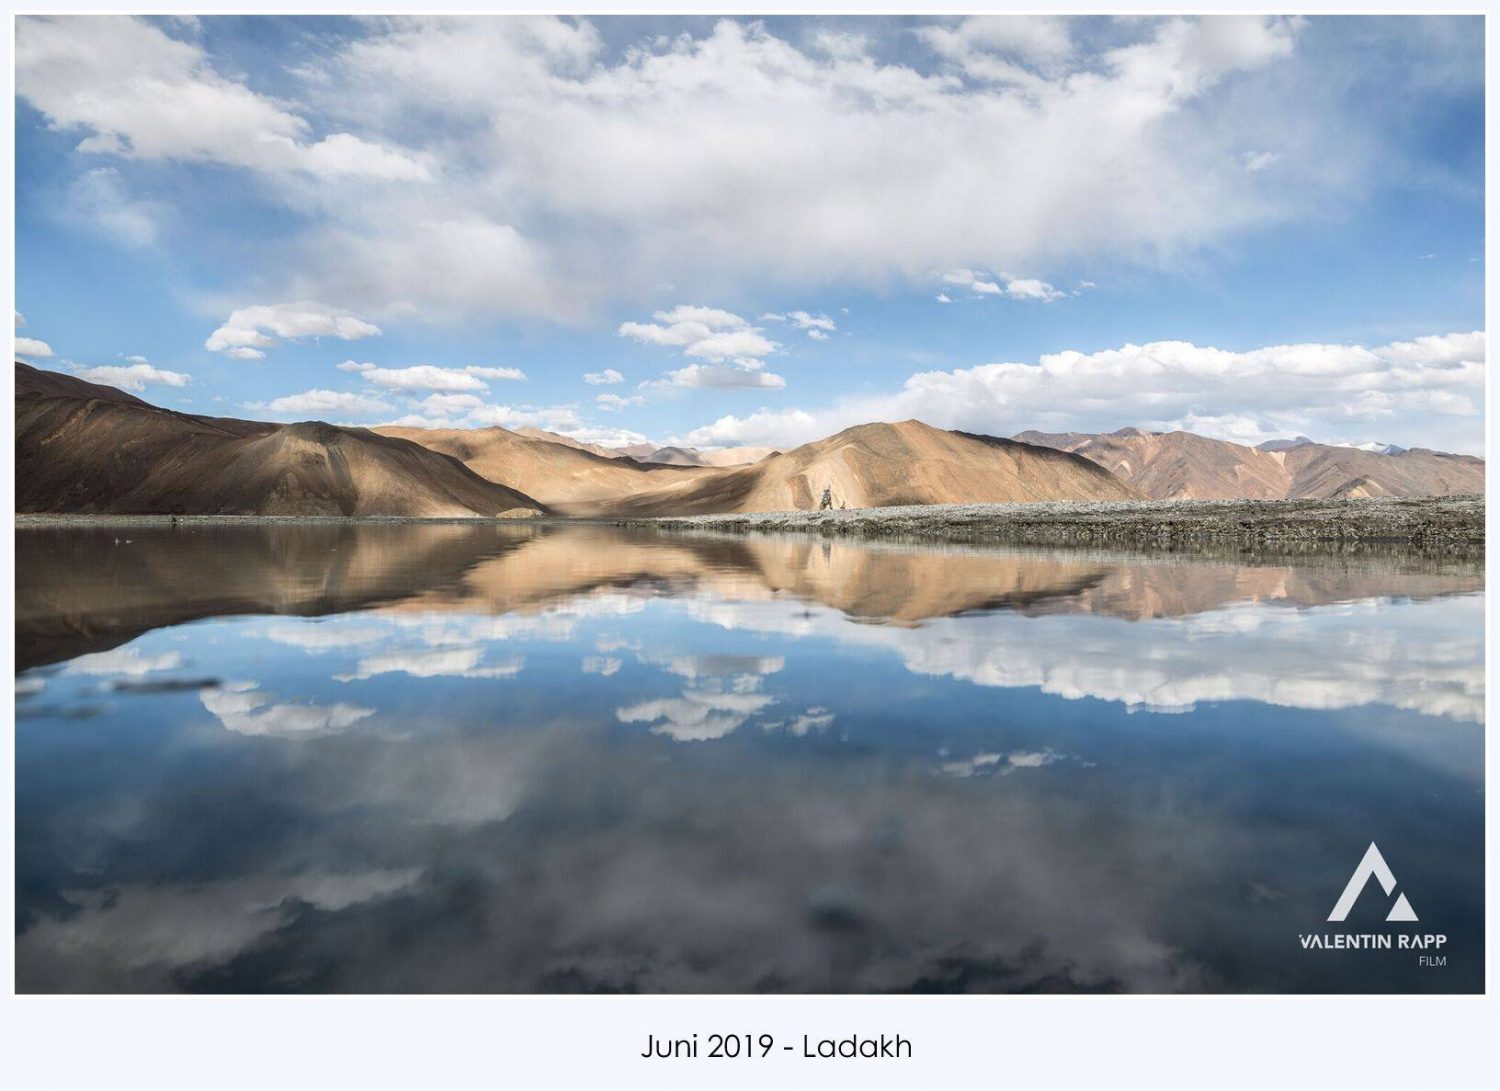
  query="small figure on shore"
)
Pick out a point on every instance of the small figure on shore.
point(827, 501)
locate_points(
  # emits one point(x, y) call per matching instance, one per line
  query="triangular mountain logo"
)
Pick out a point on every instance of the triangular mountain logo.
point(1372, 864)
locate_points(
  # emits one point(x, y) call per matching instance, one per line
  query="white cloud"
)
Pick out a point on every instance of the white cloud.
point(673, 163)
point(702, 331)
point(606, 377)
point(128, 661)
point(819, 323)
point(98, 200)
point(721, 377)
point(436, 663)
point(444, 404)
point(133, 377)
point(1255, 161)
point(613, 402)
point(430, 377)
point(20, 320)
point(1003, 285)
point(30, 346)
point(328, 402)
point(710, 708)
point(734, 348)
point(1032, 289)
point(565, 174)
point(608, 437)
point(502, 374)
point(1002, 48)
point(242, 708)
point(942, 297)
point(462, 410)
point(168, 102)
point(250, 329)
point(1426, 392)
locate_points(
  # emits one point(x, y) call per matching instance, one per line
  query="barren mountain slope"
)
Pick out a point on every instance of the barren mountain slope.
point(84, 448)
point(874, 465)
point(554, 473)
point(1322, 471)
point(694, 456)
point(1178, 465)
point(1184, 466)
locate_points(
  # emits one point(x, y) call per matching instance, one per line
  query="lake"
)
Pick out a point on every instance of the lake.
point(532, 758)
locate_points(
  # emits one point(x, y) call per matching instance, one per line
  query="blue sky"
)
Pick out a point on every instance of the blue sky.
point(727, 231)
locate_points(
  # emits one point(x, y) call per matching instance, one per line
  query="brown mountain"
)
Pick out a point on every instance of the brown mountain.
point(85, 448)
point(723, 456)
point(532, 432)
point(646, 452)
point(559, 475)
point(876, 465)
point(1184, 466)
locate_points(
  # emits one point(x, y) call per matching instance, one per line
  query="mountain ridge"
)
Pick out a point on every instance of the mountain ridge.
point(84, 448)
point(1186, 466)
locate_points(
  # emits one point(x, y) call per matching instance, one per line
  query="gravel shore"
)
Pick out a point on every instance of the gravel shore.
point(1447, 526)
point(1451, 525)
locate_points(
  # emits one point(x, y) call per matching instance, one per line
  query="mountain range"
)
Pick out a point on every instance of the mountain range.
point(1185, 466)
point(86, 448)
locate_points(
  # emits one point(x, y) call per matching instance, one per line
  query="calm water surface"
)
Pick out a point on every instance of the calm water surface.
point(458, 758)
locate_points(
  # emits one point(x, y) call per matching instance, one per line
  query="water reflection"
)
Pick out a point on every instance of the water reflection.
point(465, 758)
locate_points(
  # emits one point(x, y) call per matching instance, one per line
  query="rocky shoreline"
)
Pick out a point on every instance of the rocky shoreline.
point(1449, 526)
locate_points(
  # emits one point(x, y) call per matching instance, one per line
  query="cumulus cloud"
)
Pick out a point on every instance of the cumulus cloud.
point(430, 377)
point(129, 662)
point(434, 663)
point(524, 166)
point(169, 102)
point(706, 332)
point(817, 326)
point(502, 374)
point(250, 329)
point(328, 402)
point(30, 346)
point(133, 376)
point(983, 284)
point(447, 404)
point(244, 709)
point(1424, 392)
point(1123, 156)
point(468, 410)
point(613, 402)
point(607, 377)
point(721, 376)
point(734, 347)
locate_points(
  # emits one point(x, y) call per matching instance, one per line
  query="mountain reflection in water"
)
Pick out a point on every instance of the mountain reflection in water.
point(538, 758)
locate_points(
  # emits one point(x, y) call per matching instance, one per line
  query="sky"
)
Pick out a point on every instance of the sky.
point(724, 231)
